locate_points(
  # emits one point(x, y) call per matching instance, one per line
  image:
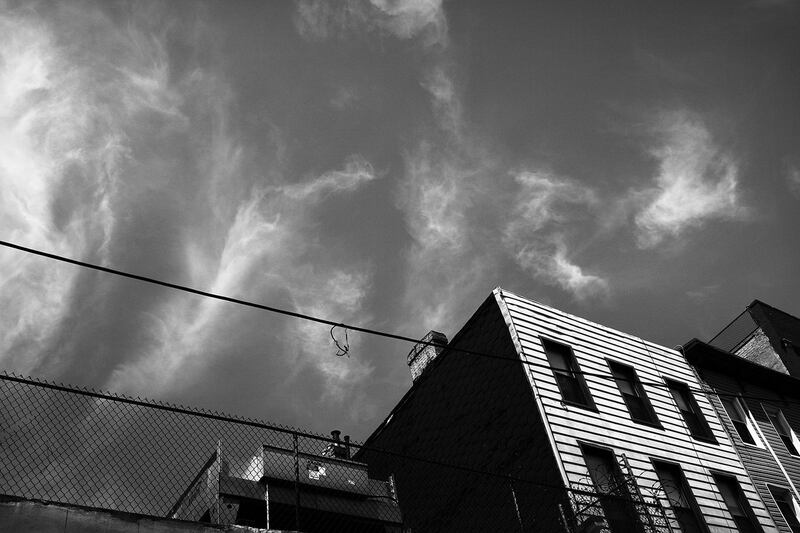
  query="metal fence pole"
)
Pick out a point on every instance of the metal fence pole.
point(296, 483)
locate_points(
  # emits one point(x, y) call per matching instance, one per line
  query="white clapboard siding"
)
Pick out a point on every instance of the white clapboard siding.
point(611, 426)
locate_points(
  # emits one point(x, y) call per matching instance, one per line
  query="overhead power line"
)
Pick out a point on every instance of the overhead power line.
point(311, 318)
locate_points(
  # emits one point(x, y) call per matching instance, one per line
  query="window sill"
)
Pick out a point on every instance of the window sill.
point(567, 403)
point(740, 441)
point(648, 423)
point(709, 440)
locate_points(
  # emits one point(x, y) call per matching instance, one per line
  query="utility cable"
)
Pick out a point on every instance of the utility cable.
point(333, 324)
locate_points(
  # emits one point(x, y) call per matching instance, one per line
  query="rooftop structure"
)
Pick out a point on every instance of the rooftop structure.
point(291, 490)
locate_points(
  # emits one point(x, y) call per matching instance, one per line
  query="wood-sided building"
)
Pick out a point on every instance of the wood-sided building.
point(760, 405)
point(532, 419)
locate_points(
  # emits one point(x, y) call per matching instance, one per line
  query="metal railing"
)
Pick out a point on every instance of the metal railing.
point(737, 333)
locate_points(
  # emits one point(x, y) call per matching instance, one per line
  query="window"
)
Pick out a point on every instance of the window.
point(570, 381)
point(784, 430)
point(633, 393)
point(739, 417)
point(690, 411)
point(614, 496)
point(680, 497)
point(787, 505)
point(737, 504)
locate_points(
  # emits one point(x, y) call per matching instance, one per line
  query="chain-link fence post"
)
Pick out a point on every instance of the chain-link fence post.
point(296, 482)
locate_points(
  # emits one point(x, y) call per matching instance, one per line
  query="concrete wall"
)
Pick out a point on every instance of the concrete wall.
point(23, 516)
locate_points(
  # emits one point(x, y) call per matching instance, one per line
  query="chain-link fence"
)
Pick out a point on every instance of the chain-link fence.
point(80, 447)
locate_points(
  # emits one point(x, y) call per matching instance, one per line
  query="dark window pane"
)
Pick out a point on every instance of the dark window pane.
point(784, 500)
point(737, 504)
point(789, 443)
point(690, 411)
point(688, 520)
point(680, 497)
point(632, 393)
point(615, 499)
point(570, 388)
point(783, 430)
point(570, 381)
point(639, 409)
point(736, 413)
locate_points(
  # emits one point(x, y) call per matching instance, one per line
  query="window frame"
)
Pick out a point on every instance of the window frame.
point(638, 388)
point(575, 373)
point(746, 418)
point(618, 499)
point(741, 499)
point(685, 488)
point(795, 506)
point(675, 385)
point(776, 413)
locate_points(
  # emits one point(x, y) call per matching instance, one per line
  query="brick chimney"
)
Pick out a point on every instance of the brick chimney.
point(423, 354)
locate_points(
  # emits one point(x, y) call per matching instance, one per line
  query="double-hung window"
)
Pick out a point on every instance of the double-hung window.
point(690, 411)
point(739, 417)
point(737, 504)
point(633, 394)
point(681, 499)
point(565, 368)
point(613, 492)
point(784, 430)
point(787, 505)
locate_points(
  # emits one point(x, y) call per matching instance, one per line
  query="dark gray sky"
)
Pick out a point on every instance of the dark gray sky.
point(383, 163)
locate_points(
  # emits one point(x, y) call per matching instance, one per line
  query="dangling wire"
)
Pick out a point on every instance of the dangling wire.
point(342, 349)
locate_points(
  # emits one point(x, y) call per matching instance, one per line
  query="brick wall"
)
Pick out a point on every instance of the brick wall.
point(478, 412)
point(759, 350)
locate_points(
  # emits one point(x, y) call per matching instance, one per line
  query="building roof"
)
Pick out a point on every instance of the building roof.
point(702, 354)
point(514, 318)
point(759, 303)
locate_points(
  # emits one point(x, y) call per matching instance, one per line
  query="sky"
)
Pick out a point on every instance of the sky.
point(383, 163)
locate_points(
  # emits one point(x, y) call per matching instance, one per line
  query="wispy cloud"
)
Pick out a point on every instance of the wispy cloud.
point(445, 100)
point(440, 197)
point(701, 294)
point(536, 234)
point(793, 179)
point(262, 254)
point(56, 146)
point(119, 152)
point(404, 19)
point(697, 181)
point(357, 170)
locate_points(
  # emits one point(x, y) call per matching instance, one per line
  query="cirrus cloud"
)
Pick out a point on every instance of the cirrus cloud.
point(544, 208)
point(697, 181)
point(405, 19)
